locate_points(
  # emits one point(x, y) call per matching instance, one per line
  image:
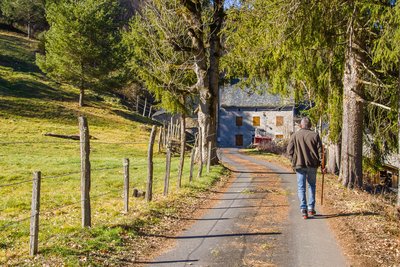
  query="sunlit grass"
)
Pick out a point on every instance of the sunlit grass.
point(31, 105)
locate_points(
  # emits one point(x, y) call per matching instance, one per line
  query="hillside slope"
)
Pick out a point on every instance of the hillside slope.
point(31, 105)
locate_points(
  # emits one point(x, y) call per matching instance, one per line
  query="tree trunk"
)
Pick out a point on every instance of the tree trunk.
point(183, 147)
point(206, 69)
point(81, 96)
point(215, 55)
point(333, 158)
point(398, 143)
point(352, 130)
point(29, 29)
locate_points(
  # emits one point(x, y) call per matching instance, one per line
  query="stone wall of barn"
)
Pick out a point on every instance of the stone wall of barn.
point(277, 123)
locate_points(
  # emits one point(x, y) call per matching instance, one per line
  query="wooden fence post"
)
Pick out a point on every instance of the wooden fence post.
point(35, 209)
point(85, 171)
point(209, 157)
point(165, 135)
point(167, 169)
point(168, 134)
point(171, 135)
point(151, 107)
point(126, 184)
point(182, 136)
point(145, 106)
point(137, 104)
point(200, 149)
point(192, 163)
point(149, 187)
point(160, 136)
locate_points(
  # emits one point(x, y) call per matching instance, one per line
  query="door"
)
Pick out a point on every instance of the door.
point(239, 140)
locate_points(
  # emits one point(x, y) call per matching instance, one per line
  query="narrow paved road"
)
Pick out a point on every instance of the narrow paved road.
point(255, 222)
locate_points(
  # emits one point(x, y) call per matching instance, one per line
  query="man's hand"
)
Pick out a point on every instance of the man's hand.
point(323, 170)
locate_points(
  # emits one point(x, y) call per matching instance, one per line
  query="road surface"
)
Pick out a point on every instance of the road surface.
point(255, 222)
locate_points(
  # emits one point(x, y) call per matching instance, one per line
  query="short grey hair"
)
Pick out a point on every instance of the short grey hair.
point(305, 123)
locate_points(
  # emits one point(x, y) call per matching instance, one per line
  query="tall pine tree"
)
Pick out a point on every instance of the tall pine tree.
point(83, 44)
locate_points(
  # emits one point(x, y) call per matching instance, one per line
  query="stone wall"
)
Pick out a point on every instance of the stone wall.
point(227, 129)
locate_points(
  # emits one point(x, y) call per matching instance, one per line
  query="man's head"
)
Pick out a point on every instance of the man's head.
point(305, 123)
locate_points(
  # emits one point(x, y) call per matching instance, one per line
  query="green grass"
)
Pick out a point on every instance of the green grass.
point(31, 105)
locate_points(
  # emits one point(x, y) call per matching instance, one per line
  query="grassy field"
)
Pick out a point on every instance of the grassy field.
point(31, 105)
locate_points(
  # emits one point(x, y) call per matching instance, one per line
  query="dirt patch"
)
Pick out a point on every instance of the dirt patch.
point(269, 216)
point(364, 224)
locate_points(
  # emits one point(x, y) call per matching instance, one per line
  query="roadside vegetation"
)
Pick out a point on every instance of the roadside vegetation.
point(366, 225)
point(32, 105)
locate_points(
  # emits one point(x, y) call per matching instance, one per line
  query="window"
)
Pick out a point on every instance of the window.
point(239, 121)
point(279, 120)
point(256, 121)
point(239, 140)
point(279, 136)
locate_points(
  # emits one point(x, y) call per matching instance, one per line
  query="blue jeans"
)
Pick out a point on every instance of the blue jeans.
point(309, 174)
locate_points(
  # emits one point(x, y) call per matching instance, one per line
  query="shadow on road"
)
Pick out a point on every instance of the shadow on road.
point(255, 172)
point(164, 262)
point(328, 216)
point(246, 207)
point(217, 236)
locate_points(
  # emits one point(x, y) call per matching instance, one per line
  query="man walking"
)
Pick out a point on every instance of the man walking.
point(305, 150)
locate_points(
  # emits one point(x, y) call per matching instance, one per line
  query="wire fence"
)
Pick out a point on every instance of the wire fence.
point(88, 144)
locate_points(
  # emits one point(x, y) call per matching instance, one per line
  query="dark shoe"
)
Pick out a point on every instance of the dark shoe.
point(311, 213)
point(304, 213)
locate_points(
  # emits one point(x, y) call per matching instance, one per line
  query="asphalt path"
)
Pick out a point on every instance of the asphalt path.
point(242, 228)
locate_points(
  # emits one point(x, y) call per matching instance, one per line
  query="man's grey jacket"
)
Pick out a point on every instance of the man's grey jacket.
point(305, 149)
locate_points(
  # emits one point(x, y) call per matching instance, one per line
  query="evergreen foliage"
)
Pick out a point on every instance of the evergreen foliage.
point(28, 12)
point(305, 46)
point(83, 45)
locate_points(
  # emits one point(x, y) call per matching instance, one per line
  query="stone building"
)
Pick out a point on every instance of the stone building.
point(243, 115)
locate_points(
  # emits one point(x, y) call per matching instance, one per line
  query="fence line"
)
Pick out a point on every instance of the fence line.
point(85, 143)
point(15, 222)
point(71, 142)
point(13, 184)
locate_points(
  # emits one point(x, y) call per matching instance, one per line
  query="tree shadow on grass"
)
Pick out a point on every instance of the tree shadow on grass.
point(18, 64)
point(26, 88)
point(17, 53)
point(135, 117)
point(33, 109)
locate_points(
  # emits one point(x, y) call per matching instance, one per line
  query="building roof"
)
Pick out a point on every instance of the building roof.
point(233, 96)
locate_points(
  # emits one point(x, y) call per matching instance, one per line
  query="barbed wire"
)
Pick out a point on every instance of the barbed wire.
point(71, 142)
point(120, 143)
point(15, 222)
point(44, 213)
point(17, 183)
point(37, 142)
point(58, 176)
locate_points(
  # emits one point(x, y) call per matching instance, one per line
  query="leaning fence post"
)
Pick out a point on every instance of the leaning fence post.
point(151, 107)
point(209, 157)
point(149, 187)
point(167, 169)
point(35, 209)
point(126, 184)
point(85, 171)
